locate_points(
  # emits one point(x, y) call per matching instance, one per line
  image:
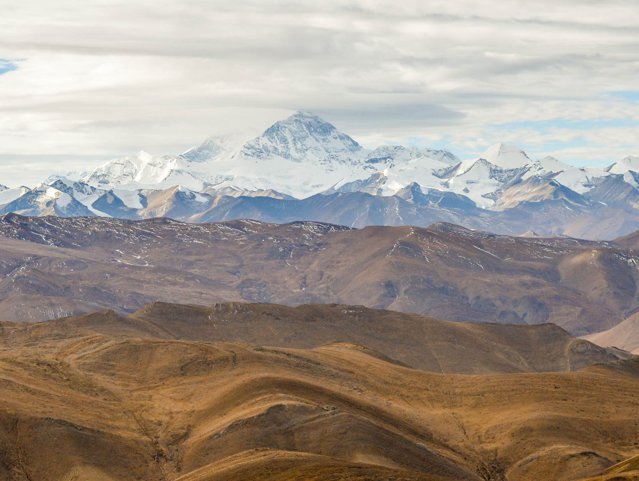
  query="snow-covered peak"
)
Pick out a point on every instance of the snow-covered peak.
point(9, 195)
point(47, 192)
point(302, 137)
point(538, 189)
point(119, 171)
point(46, 200)
point(212, 148)
point(552, 164)
point(627, 164)
point(580, 179)
point(3, 188)
point(139, 170)
point(388, 155)
point(506, 156)
point(545, 166)
point(480, 180)
point(74, 188)
point(441, 155)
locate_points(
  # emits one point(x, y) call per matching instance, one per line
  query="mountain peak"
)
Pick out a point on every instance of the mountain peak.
point(212, 148)
point(300, 137)
point(144, 156)
point(506, 156)
point(629, 163)
point(306, 115)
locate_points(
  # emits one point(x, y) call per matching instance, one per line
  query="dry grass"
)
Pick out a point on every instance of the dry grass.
point(96, 398)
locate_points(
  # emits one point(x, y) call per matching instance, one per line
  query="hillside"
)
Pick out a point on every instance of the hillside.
point(410, 340)
point(124, 403)
point(55, 267)
point(624, 335)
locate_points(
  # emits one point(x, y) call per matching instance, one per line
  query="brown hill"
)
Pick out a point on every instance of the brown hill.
point(103, 398)
point(411, 340)
point(54, 267)
point(627, 470)
point(624, 335)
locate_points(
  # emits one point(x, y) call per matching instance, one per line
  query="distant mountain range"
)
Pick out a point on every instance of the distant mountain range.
point(54, 267)
point(303, 168)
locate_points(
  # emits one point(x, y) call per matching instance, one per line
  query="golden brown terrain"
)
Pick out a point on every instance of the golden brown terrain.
point(161, 395)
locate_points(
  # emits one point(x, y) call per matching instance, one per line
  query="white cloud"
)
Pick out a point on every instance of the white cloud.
point(102, 78)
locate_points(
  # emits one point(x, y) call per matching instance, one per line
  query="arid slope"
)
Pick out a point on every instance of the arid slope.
point(55, 267)
point(624, 335)
point(107, 398)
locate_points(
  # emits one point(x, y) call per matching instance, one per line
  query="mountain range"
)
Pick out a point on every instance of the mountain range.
point(304, 168)
point(53, 267)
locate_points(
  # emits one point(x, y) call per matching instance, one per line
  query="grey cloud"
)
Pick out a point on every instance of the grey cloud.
point(105, 77)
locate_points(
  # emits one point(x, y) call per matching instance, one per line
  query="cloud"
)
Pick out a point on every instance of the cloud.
point(106, 78)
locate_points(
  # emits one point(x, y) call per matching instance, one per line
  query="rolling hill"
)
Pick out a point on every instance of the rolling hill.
point(160, 395)
point(624, 335)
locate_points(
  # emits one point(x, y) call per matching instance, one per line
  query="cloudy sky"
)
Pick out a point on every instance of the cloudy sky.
point(83, 82)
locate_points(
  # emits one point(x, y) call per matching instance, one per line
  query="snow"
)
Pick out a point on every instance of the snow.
point(302, 137)
point(130, 198)
point(506, 156)
point(580, 179)
point(63, 200)
point(630, 163)
point(477, 180)
point(303, 155)
point(202, 199)
point(299, 156)
point(9, 195)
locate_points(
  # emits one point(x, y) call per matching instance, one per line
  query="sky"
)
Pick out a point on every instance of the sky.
point(84, 82)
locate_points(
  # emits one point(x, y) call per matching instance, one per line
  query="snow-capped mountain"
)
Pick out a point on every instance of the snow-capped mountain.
point(506, 156)
point(46, 200)
point(304, 155)
point(298, 156)
point(627, 164)
point(145, 170)
point(304, 168)
point(213, 147)
point(304, 137)
point(538, 189)
point(9, 195)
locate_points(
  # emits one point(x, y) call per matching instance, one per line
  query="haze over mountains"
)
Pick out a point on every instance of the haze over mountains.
point(303, 168)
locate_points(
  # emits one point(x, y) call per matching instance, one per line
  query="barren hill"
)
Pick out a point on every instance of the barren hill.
point(54, 267)
point(158, 396)
point(408, 339)
point(624, 335)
